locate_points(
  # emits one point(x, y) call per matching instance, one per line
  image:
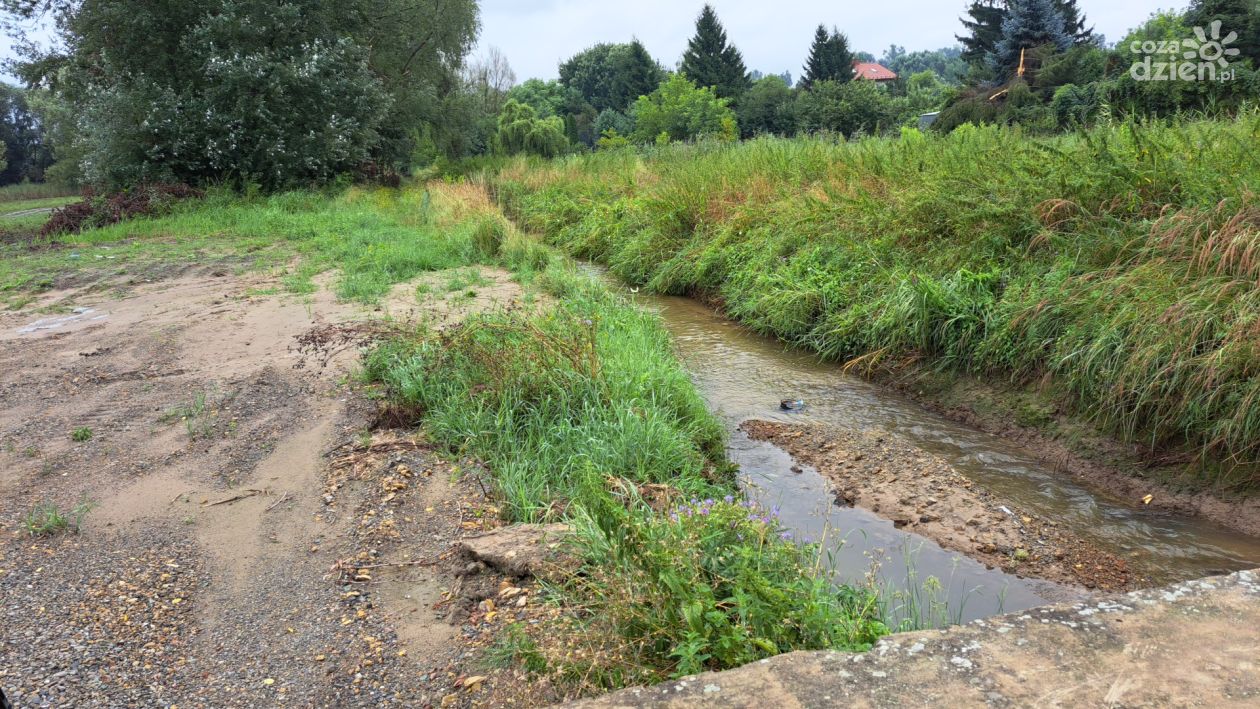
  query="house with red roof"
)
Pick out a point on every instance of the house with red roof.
point(874, 72)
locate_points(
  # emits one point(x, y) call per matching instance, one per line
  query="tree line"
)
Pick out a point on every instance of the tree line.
point(277, 93)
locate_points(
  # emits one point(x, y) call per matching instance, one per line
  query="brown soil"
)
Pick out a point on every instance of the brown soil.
point(252, 541)
point(925, 495)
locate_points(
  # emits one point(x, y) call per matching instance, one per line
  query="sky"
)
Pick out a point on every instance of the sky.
point(774, 35)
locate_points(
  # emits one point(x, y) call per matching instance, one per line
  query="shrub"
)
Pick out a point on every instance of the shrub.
point(678, 110)
point(847, 108)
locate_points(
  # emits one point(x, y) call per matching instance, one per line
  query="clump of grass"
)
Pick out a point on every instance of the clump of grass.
point(569, 409)
point(47, 519)
point(193, 414)
point(713, 585)
point(546, 398)
point(81, 435)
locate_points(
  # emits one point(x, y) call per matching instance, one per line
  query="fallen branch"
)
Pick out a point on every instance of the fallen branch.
point(234, 498)
point(275, 504)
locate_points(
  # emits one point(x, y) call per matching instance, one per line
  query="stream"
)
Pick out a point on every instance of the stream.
point(743, 375)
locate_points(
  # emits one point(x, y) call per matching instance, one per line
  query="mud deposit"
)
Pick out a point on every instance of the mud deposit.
point(922, 494)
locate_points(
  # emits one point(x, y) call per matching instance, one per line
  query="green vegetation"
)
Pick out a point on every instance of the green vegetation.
point(375, 236)
point(577, 408)
point(46, 519)
point(712, 62)
point(252, 92)
point(81, 435)
point(1117, 265)
point(678, 110)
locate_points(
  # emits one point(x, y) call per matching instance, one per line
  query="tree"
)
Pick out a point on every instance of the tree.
point(946, 63)
point(983, 25)
point(848, 108)
point(1241, 16)
point(678, 110)
point(273, 92)
point(1074, 22)
point(522, 131)
point(634, 73)
point(489, 78)
point(767, 108)
point(829, 58)
point(1030, 24)
point(21, 139)
point(612, 75)
point(547, 98)
point(710, 61)
point(610, 120)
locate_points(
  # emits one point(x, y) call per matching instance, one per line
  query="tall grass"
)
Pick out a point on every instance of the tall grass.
point(579, 408)
point(1121, 264)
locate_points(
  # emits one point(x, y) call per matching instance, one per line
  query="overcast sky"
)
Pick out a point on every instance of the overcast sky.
point(774, 35)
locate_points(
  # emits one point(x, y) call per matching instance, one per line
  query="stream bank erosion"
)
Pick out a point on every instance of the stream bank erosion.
point(922, 494)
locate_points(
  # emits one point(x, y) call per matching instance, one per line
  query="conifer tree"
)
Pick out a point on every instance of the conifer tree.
point(1031, 23)
point(710, 61)
point(984, 29)
point(1074, 22)
point(829, 58)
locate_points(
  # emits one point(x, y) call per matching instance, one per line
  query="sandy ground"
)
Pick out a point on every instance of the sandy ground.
point(251, 542)
point(925, 495)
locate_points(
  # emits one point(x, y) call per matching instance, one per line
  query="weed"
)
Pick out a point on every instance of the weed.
point(197, 419)
point(81, 435)
point(46, 519)
point(515, 647)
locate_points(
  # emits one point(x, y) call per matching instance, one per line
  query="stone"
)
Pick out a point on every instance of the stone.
point(538, 550)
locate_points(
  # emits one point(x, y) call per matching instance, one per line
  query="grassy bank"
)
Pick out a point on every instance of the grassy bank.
point(1119, 268)
point(575, 403)
point(582, 412)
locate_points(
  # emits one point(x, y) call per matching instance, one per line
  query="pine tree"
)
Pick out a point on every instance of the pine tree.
point(1074, 22)
point(1031, 23)
point(711, 62)
point(984, 29)
point(829, 58)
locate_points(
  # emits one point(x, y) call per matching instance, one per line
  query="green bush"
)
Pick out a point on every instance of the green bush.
point(677, 110)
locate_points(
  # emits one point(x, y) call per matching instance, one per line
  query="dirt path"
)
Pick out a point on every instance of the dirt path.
point(236, 498)
point(923, 494)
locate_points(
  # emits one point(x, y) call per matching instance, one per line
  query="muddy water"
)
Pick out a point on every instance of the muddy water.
point(744, 376)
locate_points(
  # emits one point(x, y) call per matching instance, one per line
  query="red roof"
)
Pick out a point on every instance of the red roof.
point(872, 71)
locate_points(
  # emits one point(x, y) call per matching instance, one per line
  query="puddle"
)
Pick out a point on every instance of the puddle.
point(78, 316)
